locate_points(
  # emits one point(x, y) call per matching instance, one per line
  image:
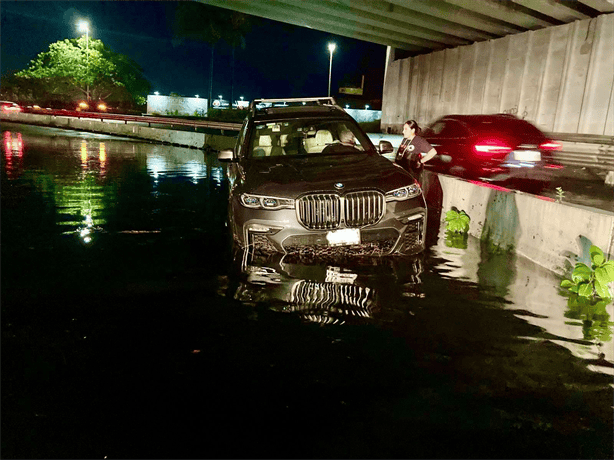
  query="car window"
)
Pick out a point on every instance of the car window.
point(512, 127)
point(305, 137)
point(446, 128)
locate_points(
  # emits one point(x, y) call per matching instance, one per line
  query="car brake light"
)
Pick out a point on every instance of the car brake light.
point(551, 145)
point(491, 147)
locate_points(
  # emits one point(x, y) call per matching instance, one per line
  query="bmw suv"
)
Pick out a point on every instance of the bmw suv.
point(305, 178)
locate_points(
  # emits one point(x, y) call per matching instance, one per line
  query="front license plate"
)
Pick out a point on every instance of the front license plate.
point(339, 276)
point(343, 237)
point(527, 155)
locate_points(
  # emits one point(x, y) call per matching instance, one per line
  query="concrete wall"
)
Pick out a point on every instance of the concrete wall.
point(170, 105)
point(559, 78)
point(553, 235)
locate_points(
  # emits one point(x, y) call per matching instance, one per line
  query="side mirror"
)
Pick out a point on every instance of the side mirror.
point(385, 147)
point(226, 155)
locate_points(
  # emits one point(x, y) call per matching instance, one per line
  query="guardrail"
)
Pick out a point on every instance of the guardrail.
point(164, 121)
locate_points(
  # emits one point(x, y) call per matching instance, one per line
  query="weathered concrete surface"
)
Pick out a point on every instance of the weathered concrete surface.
point(553, 235)
point(560, 78)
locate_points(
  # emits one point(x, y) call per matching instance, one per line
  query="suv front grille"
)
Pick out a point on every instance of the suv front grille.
point(328, 211)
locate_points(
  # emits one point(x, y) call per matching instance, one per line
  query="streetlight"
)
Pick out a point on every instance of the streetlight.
point(367, 107)
point(331, 48)
point(85, 27)
point(156, 93)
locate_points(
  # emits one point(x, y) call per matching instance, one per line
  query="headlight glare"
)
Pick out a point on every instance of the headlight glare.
point(404, 193)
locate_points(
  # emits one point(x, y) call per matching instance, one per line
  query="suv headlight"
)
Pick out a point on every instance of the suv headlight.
point(404, 193)
point(266, 202)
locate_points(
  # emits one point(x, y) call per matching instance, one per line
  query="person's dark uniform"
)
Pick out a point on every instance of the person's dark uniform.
point(410, 153)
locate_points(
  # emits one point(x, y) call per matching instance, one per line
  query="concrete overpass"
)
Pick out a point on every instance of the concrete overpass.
point(421, 26)
point(548, 61)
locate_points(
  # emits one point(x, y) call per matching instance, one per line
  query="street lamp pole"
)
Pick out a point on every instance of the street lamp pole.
point(84, 27)
point(331, 48)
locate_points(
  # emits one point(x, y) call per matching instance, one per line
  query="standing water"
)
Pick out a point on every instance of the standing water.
point(130, 330)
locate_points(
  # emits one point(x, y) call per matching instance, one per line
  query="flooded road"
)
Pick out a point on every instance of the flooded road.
point(130, 330)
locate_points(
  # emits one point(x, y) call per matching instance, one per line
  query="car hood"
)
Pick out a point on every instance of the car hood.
point(291, 177)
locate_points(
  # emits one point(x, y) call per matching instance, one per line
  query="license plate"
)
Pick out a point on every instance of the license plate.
point(339, 276)
point(343, 237)
point(527, 155)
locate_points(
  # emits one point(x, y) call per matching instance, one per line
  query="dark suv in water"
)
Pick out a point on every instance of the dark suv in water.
point(305, 178)
point(495, 148)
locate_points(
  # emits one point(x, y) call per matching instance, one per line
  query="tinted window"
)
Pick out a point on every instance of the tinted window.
point(507, 126)
point(446, 128)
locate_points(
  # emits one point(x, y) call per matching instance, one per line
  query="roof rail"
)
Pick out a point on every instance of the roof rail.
point(318, 100)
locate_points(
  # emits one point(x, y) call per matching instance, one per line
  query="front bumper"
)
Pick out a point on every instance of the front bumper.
point(402, 229)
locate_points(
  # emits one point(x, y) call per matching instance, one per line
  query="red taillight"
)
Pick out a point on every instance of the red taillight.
point(551, 145)
point(491, 147)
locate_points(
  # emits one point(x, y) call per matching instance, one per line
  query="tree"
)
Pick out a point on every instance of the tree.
point(80, 67)
point(199, 22)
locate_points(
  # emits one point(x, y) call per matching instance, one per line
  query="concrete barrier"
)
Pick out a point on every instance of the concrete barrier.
point(168, 136)
point(553, 235)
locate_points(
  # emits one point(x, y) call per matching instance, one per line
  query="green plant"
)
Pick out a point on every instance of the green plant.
point(560, 194)
point(457, 221)
point(592, 281)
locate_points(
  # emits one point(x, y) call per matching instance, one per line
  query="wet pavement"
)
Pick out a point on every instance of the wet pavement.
point(130, 330)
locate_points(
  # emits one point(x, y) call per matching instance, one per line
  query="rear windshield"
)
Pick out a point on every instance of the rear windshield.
point(306, 137)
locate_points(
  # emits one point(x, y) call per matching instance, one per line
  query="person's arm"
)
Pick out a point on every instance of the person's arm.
point(429, 155)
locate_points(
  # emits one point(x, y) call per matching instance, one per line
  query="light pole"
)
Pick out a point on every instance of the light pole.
point(331, 48)
point(85, 27)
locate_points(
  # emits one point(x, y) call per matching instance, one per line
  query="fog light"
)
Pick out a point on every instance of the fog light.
point(260, 228)
point(407, 219)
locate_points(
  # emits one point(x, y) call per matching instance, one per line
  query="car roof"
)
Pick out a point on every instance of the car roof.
point(288, 108)
point(276, 113)
point(503, 122)
point(476, 119)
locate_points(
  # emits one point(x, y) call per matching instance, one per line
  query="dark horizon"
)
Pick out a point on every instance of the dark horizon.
point(278, 60)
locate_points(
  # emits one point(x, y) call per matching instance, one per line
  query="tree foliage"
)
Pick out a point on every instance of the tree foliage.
point(80, 68)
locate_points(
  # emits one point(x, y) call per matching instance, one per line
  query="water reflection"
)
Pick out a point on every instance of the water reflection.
point(13, 154)
point(533, 294)
point(326, 291)
point(81, 206)
point(81, 174)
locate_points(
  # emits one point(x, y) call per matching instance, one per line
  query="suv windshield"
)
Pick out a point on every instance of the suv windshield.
point(306, 137)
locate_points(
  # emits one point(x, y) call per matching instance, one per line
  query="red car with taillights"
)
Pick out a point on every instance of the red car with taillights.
point(498, 148)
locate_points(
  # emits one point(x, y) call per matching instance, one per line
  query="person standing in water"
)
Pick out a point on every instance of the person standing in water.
point(414, 150)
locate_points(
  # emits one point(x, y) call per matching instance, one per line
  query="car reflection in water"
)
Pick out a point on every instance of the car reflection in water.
point(325, 290)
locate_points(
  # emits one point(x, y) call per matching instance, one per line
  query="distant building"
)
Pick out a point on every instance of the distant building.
point(176, 105)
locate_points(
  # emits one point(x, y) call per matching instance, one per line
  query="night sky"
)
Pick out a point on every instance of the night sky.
point(278, 60)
